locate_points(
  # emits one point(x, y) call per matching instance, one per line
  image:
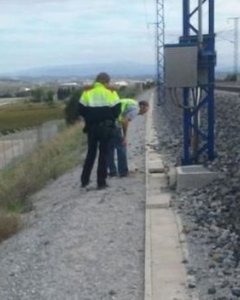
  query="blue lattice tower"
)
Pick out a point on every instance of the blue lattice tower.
point(190, 67)
point(160, 40)
point(198, 138)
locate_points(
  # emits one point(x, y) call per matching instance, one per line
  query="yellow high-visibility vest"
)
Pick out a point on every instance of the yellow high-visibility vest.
point(99, 96)
point(125, 103)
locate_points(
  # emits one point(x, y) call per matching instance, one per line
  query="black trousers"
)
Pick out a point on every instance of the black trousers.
point(98, 137)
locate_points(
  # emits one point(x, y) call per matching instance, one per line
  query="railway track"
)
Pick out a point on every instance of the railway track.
point(229, 87)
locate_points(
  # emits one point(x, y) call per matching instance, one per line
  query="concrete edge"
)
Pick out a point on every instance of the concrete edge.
point(148, 293)
point(147, 261)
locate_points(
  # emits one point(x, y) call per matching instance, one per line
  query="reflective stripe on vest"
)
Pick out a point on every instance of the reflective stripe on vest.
point(99, 96)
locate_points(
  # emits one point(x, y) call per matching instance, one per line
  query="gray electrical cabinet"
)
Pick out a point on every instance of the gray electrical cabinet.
point(181, 66)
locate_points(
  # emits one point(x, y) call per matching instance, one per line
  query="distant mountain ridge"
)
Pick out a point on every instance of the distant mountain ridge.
point(89, 70)
point(115, 69)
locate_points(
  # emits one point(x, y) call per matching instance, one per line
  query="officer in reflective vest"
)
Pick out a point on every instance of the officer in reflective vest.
point(100, 108)
point(130, 108)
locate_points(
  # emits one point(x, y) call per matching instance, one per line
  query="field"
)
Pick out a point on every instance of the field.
point(19, 116)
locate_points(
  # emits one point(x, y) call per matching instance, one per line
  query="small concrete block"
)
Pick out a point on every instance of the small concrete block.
point(154, 155)
point(158, 201)
point(194, 176)
point(157, 181)
point(155, 166)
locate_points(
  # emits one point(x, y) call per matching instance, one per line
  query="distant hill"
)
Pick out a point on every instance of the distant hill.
point(90, 70)
point(117, 69)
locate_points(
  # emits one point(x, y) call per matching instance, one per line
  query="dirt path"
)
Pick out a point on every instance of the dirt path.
point(77, 244)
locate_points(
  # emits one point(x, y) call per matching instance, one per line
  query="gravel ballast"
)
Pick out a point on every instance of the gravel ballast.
point(211, 215)
point(81, 244)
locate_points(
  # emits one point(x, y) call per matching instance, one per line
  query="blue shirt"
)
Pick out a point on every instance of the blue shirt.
point(131, 112)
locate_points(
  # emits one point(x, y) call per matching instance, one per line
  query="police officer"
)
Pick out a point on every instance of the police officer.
point(100, 107)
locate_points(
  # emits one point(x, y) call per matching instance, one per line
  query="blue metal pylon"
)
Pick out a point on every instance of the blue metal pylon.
point(160, 40)
point(199, 138)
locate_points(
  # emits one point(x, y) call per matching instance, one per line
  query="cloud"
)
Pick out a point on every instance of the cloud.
point(38, 32)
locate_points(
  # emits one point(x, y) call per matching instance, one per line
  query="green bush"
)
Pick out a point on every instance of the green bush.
point(9, 224)
point(231, 77)
point(71, 109)
point(127, 92)
point(47, 162)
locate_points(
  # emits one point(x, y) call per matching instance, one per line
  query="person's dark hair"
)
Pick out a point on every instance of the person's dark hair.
point(103, 78)
point(143, 103)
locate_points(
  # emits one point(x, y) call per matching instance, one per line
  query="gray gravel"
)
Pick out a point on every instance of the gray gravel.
point(211, 215)
point(78, 244)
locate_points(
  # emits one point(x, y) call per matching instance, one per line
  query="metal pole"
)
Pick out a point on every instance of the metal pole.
point(211, 83)
point(236, 22)
point(186, 114)
point(200, 35)
point(236, 45)
point(186, 9)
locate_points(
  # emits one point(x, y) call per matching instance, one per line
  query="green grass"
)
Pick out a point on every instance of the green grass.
point(48, 161)
point(9, 224)
point(25, 115)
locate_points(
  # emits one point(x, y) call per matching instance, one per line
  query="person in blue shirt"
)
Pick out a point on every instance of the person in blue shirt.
point(130, 108)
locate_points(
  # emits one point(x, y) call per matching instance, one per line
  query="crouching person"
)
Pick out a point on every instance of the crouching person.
point(130, 108)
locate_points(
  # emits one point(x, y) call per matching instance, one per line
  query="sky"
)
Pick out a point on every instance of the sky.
point(39, 33)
